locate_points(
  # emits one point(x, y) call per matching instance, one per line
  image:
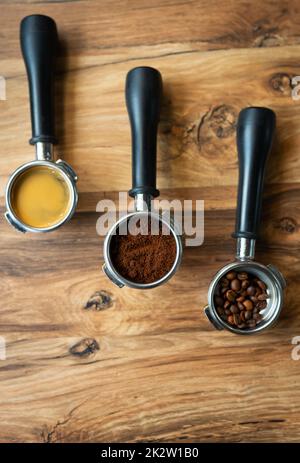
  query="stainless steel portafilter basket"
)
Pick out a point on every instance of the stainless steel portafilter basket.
point(39, 41)
point(143, 100)
point(255, 130)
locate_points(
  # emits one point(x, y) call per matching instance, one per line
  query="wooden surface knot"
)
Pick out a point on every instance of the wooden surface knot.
point(218, 123)
point(84, 348)
point(268, 40)
point(266, 34)
point(286, 225)
point(281, 82)
point(100, 300)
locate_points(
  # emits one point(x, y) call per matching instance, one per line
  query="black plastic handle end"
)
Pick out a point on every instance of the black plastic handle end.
point(255, 132)
point(39, 40)
point(143, 100)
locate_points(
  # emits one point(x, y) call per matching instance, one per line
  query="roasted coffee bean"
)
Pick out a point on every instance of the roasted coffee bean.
point(251, 291)
point(242, 325)
point(248, 315)
point(219, 300)
point(261, 305)
point(240, 306)
point(231, 275)
point(235, 284)
point(262, 297)
point(245, 284)
point(262, 285)
point(234, 309)
point(227, 304)
point(231, 295)
point(251, 323)
point(243, 315)
point(224, 282)
point(236, 319)
point(220, 311)
point(230, 319)
point(248, 305)
point(238, 299)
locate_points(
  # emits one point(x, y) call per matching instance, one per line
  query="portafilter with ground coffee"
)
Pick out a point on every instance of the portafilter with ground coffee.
point(149, 257)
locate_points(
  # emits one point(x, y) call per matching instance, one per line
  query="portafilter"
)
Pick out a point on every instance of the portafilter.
point(39, 42)
point(255, 130)
point(143, 100)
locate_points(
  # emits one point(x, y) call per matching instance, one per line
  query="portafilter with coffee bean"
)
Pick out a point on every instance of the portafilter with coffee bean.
point(245, 296)
point(149, 259)
point(41, 195)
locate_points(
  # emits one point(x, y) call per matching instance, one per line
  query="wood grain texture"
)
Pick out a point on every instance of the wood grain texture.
point(87, 361)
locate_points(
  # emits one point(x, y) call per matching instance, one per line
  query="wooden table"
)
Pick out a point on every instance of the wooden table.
point(86, 361)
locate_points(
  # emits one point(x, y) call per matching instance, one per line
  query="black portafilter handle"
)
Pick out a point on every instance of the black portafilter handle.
point(39, 41)
point(255, 131)
point(143, 101)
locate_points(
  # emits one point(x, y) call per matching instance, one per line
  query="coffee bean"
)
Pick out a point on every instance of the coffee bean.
point(230, 319)
point(248, 315)
point(224, 282)
point(248, 305)
point(238, 299)
point(231, 275)
point(243, 315)
point(220, 311)
point(251, 323)
point(234, 309)
point(242, 325)
point(240, 306)
point(227, 304)
point(261, 305)
point(245, 284)
point(262, 285)
point(231, 295)
point(235, 284)
point(251, 291)
point(236, 319)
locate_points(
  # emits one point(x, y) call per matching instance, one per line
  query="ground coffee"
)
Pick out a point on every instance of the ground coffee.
point(143, 258)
